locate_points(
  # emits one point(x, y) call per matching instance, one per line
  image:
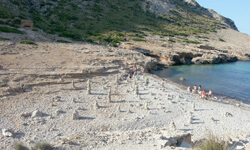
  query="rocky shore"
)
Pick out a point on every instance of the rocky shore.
point(231, 47)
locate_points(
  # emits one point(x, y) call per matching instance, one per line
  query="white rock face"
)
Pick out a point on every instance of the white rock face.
point(158, 7)
point(36, 113)
point(192, 2)
point(7, 133)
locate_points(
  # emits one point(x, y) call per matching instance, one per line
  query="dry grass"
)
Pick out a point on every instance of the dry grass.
point(42, 146)
point(19, 146)
point(212, 143)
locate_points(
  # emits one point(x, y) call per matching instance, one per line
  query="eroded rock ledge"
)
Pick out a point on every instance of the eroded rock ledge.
point(194, 57)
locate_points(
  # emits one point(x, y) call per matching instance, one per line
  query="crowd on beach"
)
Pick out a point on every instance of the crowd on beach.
point(201, 92)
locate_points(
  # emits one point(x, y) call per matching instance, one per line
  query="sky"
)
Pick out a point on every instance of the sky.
point(237, 10)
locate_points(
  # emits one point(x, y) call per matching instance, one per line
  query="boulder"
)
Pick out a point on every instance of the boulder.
point(182, 79)
point(232, 58)
point(199, 61)
point(149, 63)
point(25, 115)
point(186, 61)
point(36, 113)
point(7, 133)
point(213, 58)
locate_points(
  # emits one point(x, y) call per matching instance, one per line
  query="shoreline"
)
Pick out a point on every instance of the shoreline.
point(184, 87)
point(220, 97)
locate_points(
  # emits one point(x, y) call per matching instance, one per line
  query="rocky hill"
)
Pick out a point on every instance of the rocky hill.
point(97, 20)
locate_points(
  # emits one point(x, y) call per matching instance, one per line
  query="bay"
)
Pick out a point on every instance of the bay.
point(232, 79)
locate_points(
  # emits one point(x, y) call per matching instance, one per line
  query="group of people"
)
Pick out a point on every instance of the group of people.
point(135, 72)
point(200, 91)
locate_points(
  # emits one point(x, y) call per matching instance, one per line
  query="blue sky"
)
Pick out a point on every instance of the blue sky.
point(237, 10)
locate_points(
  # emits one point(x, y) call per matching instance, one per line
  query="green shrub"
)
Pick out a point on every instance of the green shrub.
point(120, 34)
point(62, 41)
point(10, 30)
point(192, 42)
point(34, 30)
point(171, 40)
point(27, 42)
point(138, 39)
point(16, 3)
point(4, 39)
point(71, 35)
point(3, 84)
point(203, 37)
point(221, 40)
point(110, 51)
point(140, 36)
point(19, 146)
point(5, 11)
point(2, 22)
point(212, 143)
point(114, 44)
point(89, 40)
point(17, 22)
point(42, 146)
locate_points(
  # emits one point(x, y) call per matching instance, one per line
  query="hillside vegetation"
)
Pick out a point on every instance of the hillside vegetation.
point(107, 21)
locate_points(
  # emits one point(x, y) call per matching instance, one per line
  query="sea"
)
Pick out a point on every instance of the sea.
point(230, 80)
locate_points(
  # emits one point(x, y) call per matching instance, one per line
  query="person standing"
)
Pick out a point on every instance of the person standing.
point(199, 90)
point(147, 82)
point(203, 94)
point(210, 93)
point(189, 89)
point(162, 83)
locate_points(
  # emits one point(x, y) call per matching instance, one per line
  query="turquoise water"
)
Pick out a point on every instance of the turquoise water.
point(232, 80)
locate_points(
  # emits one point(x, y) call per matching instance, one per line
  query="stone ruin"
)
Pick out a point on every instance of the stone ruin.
point(75, 115)
point(88, 87)
point(96, 106)
point(109, 96)
point(27, 24)
point(136, 89)
point(73, 84)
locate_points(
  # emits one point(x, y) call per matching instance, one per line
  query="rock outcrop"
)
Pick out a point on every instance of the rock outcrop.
point(159, 7)
point(188, 58)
